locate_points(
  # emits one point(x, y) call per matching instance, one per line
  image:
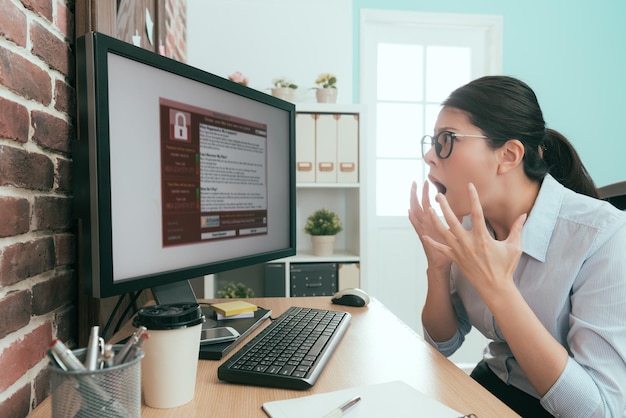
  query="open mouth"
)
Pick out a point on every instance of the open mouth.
point(440, 187)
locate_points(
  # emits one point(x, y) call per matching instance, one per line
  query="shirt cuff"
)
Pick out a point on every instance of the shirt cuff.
point(447, 348)
point(571, 396)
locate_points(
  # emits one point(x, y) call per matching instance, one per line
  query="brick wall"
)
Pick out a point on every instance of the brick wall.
point(37, 282)
point(38, 285)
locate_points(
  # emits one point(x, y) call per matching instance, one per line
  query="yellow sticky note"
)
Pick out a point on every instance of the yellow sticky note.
point(233, 308)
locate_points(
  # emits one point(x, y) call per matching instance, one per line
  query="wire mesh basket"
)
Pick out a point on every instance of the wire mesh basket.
point(105, 393)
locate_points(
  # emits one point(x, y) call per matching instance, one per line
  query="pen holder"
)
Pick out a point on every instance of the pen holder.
point(109, 392)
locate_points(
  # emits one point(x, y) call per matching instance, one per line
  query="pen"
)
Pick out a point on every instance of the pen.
point(341, 410)
point(53, 357)
point(64, 355)
point(132, 353)
point(121, 355)
point(91, 361)
point(108, 356)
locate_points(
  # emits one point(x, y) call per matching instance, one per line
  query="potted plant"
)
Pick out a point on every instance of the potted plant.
point(283, 89)
point(234, 291)
point(323, 225)
point(326, 88)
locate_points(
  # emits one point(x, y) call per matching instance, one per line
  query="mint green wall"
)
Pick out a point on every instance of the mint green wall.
point(571, 52)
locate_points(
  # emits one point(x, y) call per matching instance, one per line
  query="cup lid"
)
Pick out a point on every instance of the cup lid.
point(170, 316)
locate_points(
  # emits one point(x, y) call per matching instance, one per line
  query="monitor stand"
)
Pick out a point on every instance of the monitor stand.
point(181, 292)
point(177, 292)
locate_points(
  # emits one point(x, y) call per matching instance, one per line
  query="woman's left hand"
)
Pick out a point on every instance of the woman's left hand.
point(487, 263)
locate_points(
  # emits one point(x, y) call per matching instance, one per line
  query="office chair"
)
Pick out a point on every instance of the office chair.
point(614, 193)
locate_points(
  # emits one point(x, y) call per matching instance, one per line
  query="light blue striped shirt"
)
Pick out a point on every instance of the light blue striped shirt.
point(572, 273)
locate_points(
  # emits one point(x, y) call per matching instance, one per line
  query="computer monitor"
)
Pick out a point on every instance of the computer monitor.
point(178, 173)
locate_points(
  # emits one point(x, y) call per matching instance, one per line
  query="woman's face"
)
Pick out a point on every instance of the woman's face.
point(471, 160)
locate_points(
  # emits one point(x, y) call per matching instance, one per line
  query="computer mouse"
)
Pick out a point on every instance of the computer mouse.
point(351, 297)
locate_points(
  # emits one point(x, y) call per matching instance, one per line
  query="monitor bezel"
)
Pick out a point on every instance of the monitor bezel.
point(92, 191)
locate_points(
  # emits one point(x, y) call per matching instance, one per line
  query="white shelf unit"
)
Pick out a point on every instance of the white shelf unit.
point(346, 199)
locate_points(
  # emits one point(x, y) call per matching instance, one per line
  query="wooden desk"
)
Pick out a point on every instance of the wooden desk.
point(377, 348)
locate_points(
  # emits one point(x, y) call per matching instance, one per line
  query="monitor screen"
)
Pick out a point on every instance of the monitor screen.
point(178, 173)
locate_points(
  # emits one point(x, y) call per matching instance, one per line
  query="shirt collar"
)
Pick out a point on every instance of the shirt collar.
point(542, 219)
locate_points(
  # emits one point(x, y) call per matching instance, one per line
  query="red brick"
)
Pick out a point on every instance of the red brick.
point(54, 293)
point(64, 249)
point(52, 213)
point(41, 7)
point(17, 406)
point(63, 175)
point(64, 20)
point(15, 311)
point(24, 169)
point(64, 98)
point(14, 120)
point(12, 23)
point(67, 324)
point(15, 215)
point(41, 387)
point(50, 48)
point(22, 260)
point(23, 354)
point(24, 78)
point(51, 132)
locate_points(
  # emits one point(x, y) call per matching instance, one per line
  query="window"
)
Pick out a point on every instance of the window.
point(410, 63)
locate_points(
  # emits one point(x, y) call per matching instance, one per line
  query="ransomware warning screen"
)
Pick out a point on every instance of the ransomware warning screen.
point(213, 175)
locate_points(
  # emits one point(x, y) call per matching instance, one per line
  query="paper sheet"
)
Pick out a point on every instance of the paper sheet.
point(392, 399)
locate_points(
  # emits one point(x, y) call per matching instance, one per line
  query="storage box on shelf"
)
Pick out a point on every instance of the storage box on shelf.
point(329, 148)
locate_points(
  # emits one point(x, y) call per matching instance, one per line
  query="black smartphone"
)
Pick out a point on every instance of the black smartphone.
point(218, 335)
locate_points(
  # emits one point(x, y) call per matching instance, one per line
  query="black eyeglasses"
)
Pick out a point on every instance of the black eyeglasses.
point(443, 143)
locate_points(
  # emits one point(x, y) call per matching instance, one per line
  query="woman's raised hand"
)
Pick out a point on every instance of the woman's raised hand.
point(485, 261)
point(423, 223)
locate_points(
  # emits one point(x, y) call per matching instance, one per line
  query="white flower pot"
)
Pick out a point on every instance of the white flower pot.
point(326, 95)
point(284, 93)
point(323, 245)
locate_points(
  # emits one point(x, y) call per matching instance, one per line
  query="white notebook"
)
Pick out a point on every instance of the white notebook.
point(392, 399)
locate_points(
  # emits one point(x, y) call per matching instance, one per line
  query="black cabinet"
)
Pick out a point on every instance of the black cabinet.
point(313, 279)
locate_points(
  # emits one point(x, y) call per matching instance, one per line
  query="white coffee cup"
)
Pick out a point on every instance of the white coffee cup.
point(168, 370)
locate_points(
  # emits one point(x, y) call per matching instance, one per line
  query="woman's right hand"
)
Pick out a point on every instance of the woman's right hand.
point(423, 224)
point(438, 315)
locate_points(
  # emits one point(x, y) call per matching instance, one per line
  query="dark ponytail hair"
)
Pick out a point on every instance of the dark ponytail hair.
point(506, 108)
point(565, 165)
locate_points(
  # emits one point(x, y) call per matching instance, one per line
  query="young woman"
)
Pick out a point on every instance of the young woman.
point(529, 256)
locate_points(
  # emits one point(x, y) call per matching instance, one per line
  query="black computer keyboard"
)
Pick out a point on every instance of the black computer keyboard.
point(291, 352)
